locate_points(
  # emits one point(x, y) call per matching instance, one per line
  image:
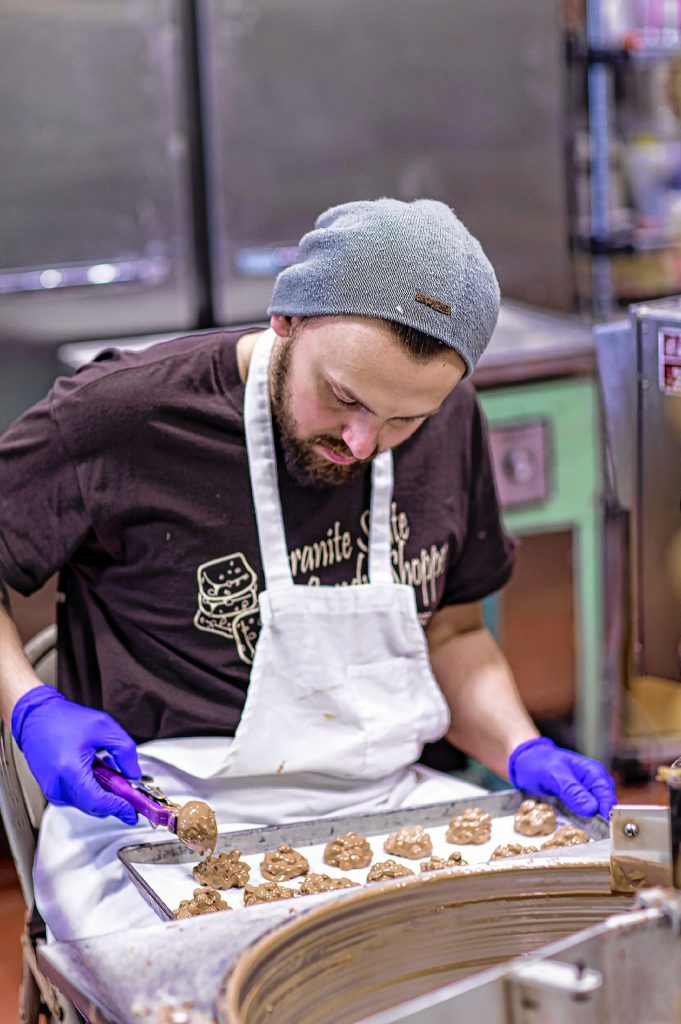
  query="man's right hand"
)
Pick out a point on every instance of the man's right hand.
point(60, 739)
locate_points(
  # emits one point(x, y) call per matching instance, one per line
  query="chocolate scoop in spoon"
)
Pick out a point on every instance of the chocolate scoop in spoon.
point(194, 822)
point(196, 826)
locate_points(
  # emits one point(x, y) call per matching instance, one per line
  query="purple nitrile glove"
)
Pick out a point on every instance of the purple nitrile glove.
point(540, 767)
point(59, 739)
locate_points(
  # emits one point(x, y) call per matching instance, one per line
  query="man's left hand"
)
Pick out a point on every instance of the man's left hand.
point(584, 785)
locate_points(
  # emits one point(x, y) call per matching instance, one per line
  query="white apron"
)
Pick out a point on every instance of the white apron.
point(340, 701)
point(341, 683)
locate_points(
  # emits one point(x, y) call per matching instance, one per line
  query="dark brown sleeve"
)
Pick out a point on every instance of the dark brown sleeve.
point(42, 516)
point(485, 561)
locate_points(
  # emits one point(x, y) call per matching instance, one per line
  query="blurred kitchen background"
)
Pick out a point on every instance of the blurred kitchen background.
point(161, 158)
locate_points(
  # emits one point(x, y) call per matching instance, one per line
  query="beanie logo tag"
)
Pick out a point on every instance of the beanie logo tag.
point(436, 304)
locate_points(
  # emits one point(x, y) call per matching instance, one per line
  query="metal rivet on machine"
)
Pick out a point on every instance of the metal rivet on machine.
point(630, 829)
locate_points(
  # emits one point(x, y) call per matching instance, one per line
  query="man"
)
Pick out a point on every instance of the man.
point(252, 530)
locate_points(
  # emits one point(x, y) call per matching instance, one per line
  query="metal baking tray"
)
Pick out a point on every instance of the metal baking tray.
point(318, 831)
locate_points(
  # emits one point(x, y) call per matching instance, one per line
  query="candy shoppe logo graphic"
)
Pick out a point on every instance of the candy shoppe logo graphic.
point(228, 602)
point(421, 571)
point(228, 586)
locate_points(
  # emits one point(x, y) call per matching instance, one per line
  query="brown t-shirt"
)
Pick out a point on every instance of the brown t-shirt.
point(131, 478)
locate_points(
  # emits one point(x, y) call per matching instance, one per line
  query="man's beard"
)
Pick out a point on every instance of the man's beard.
point(303, 464)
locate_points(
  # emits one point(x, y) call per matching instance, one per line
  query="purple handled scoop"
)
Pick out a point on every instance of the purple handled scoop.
point(194, 823)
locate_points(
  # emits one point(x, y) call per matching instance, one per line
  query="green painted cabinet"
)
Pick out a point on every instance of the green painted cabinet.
point(568, 411)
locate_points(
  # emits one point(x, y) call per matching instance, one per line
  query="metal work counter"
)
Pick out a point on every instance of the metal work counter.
point(530, 344)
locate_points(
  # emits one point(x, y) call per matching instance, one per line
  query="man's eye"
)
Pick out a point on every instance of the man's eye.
point(343, 401)
point(407, 419)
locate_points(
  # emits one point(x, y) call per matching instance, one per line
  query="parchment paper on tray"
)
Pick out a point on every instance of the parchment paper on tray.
point(163, 871)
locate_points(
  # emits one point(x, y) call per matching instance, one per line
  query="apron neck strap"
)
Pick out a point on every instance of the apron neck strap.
point(262, 462)
point(379, 518)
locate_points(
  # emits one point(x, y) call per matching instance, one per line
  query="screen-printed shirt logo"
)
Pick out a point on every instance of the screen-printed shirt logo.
point(227, 602)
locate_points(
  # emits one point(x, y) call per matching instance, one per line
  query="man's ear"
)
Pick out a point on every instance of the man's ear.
point(281, 325)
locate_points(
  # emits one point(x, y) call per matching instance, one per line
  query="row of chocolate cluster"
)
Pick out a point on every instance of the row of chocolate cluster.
point(350, 852)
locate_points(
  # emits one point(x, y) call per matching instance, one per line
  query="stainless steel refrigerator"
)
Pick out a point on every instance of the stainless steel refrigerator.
point(161, 158)
point(310, 103)
point(97, 180)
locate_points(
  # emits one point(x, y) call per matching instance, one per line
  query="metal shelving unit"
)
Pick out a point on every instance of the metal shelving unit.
point(629, 237)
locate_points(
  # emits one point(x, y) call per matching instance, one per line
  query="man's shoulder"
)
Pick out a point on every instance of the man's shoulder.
point(123, 390)
point(200, 363)
point(118, 367)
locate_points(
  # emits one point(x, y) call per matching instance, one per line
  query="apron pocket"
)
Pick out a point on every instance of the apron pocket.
point(389, 707)
point(330, 734)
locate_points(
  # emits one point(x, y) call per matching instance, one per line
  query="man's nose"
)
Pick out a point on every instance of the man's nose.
point(361, 437)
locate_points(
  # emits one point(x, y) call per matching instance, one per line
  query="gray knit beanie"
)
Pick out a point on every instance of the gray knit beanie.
point(414, 263)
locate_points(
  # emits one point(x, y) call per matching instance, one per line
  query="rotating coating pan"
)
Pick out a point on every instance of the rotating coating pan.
point(345, 961)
